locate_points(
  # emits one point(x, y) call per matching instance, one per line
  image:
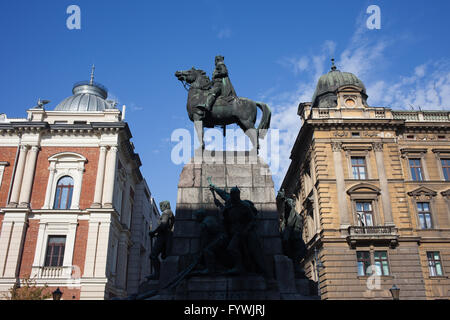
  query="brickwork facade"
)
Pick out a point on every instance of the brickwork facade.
point(70, 186)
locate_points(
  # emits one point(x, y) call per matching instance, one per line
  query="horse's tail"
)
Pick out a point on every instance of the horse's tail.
point(264, 124)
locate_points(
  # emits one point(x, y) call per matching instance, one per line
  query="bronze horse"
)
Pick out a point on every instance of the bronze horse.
point(241, 111)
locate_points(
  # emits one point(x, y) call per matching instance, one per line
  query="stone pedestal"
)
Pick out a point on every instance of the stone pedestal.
point(252, 175)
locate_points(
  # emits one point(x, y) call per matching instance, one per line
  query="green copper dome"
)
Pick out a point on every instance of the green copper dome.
point(325, 95)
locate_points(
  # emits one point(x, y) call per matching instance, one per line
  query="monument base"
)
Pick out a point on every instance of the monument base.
point(226, 170)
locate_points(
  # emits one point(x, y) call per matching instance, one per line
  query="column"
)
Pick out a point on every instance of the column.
point(100, 179)
point(108, 188)
point(385, 195)
point(51, 177)
point(340, 184)
point(77, 187)
point(27, 184)
point(14, 200)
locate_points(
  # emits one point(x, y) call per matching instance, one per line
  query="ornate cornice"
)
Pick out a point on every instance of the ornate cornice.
point(446, 193)
point(422, 191)
point(364, 188)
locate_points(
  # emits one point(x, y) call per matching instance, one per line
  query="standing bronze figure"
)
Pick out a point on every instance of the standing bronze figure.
point(291, 228)
point(163, 233)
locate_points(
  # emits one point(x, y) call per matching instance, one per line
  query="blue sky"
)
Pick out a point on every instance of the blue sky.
point(275, 51)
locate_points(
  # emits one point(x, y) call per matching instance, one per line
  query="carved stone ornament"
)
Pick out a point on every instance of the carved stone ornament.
point(336, 146)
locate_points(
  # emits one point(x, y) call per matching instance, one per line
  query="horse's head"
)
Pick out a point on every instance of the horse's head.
point(187, 75)
point(192, 75)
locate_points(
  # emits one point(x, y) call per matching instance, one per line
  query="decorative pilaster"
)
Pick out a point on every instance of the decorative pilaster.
point(340, 184)
point(100, 179)
point(384, 186)
point(27, 183)
point(14, 200)
point(77, 187)
point(52, 170)
point(110, 175)
point(122, 257)
point(11, 243)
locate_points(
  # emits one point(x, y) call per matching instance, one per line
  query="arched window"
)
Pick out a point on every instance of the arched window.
point(63, 195)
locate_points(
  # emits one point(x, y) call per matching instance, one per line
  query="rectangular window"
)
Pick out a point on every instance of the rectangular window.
point(363, 260)
point(359, 168)
point(364, 213)
point(424, 213)
point(381, 263)
point(55, 251)
point(434, 264)
point(416, 169)
point(446, 168)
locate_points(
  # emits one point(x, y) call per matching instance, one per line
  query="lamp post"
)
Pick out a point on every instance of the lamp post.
point(395, 292)
point(57, 294)
point(319, 266)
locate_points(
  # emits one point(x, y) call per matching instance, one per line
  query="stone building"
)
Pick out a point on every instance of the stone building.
point(75, 210)
point(373, 185)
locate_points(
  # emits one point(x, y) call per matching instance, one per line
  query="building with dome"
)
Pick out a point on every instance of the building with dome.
point(373, 187)
point(75, 211)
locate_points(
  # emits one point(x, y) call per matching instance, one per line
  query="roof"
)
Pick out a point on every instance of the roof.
point(87, 96)
point(328, 84)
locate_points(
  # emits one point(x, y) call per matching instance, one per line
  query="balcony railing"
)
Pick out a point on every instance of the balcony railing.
point(371, 230)
point(52, 272)
point(372, 234)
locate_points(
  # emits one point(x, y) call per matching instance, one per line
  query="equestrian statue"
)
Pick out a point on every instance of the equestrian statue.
point(215, 103)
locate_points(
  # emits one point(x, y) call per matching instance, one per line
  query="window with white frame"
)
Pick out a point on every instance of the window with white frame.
point(64, 182)
point(54, 256)
point(55, 246)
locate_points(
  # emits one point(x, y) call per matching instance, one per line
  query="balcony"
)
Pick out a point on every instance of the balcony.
point(52, 272)
point(371, 235)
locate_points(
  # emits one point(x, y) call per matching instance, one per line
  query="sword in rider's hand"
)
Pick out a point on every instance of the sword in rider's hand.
point(213, 191)
point(211, 188)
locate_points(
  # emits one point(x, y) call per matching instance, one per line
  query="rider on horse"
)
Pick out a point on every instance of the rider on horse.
point(222, 90)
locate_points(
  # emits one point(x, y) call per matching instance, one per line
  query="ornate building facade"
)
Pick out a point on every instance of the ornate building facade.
point(75, 211)
point(373, 186)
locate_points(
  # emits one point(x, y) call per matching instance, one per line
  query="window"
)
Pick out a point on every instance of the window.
point(55, 251)
point(446, 168)
point(64, 191)
point(381, 263)
point(424, 213)
point(416, 169)
point(434, 264)
point(64, 165)
point(364, 213)
point(363, 260)
point(359, 168)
